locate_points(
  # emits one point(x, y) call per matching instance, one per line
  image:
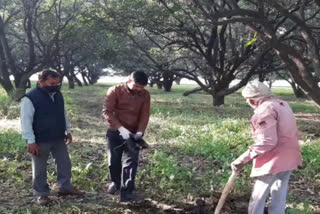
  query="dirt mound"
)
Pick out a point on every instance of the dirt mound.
point(235, 204)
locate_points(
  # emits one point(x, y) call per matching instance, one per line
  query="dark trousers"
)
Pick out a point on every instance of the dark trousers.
point(122, 171)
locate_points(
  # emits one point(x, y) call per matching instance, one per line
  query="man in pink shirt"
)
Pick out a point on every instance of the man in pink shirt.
point(275, 152)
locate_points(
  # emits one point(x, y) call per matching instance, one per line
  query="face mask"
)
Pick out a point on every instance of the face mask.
point(53, 88)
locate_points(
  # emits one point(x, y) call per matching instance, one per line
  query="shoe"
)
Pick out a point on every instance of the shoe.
point(43, 200)
point(112, 188)
point(127, 197)
point(74, 192)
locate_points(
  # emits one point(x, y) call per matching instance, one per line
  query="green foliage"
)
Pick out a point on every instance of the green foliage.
point(311, 161)
point(8, 108)
point(192, 146)
point(165, 170)
point(299, 208)
point(303, 108)
point(88, 175)
point(283, 91)
point(11, 143)
point(221, 141)
point(254, 39)
point(12, 169)
point(13, 172)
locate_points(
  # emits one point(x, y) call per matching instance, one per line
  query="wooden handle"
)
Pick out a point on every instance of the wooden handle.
point(225, 192)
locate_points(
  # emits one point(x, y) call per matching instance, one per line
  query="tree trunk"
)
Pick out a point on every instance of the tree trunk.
point(298, 92)
point(8, 87)
point(84, 79)
point(19, 93)
point(22, 83)
point(270, 83)
point(167, 80)
point(70, 81)
point(159, 85)
point(218, 100)
point(301, 76)
point(13, 93)
point(91, 82)
point(261, 77)
point(167, 84)
point(4, 72)
point(178, 81)
point(315, 95)
point(77, 81)
point(28, 85)
point(187, 93)
point(151, 84)
point(7, 61)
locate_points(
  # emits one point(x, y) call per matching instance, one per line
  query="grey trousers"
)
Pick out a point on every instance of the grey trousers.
point(59, 152)
point(275, 185)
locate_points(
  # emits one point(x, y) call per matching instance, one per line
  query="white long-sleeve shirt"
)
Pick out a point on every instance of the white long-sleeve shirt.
point(26, 116)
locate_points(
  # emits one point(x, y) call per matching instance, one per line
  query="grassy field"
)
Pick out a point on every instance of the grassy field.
point(193, 145)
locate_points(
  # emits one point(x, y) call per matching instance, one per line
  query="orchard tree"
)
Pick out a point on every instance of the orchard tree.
point(290, 27)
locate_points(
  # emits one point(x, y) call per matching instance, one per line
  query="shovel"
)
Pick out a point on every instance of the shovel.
point(225, 192)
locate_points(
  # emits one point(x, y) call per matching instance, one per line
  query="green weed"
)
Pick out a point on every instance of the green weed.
point(165, 170)
point(299, 208)
point(311, 161)
point(11, 143)
point(8, 108)
point(304, 108)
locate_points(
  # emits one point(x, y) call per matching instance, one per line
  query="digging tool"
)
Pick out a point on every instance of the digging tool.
point(225, 192)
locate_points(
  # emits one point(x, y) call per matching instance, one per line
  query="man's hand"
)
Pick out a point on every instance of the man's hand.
point(34, 149)
point(138, 136)
point(68, 139)
point(237, 166)
point(124, 133)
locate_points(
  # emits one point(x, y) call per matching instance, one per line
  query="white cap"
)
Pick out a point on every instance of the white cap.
point(256, 89)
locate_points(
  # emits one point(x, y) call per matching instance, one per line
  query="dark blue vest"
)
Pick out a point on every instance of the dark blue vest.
point(49, 124)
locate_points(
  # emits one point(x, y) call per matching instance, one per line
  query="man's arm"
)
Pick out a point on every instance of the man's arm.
point(68, 125)
point(266, 135)
point(26, 114)
point(68, 137)
point(144, 115)
point(109, 108)
point(266, 138)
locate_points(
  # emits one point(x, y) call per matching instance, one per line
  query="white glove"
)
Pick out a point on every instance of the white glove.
point(138, 135)
point(124, 133)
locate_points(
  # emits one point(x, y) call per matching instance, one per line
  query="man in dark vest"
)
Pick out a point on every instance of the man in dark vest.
point(46, 129)
point(126, 110)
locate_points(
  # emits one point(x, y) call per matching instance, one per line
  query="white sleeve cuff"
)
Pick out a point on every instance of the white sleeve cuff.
point(30, 141)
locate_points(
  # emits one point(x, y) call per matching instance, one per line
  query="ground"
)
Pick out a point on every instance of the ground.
point(184, 171)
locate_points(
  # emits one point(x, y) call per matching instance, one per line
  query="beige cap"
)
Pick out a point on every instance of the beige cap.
point(256, 89)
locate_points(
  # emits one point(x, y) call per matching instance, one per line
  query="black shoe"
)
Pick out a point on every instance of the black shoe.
point(112, 189)
point(126, 197)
